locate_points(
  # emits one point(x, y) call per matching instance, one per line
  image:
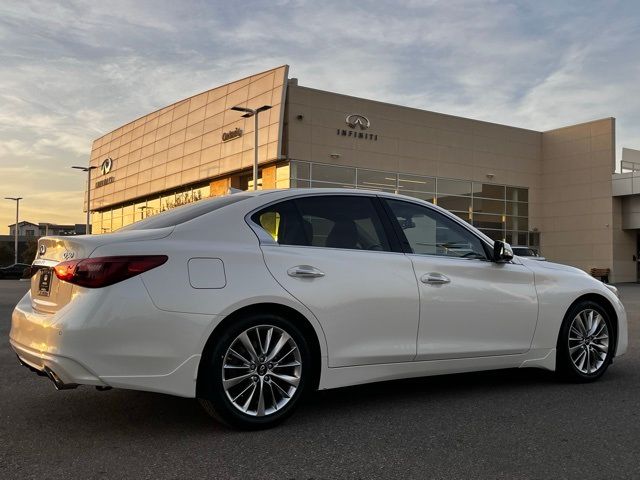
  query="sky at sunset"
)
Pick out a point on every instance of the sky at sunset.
point(72, 71)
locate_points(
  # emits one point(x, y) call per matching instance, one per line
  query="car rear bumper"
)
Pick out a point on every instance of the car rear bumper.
point(112, 337)
point(63, 372)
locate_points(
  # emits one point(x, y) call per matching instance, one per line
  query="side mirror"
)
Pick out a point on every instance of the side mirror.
point(502, 251)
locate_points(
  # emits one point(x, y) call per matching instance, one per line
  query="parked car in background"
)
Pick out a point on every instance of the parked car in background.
point(17, 270)
point(529, 252)
point(249, 301)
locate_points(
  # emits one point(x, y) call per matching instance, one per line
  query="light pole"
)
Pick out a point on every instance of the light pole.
point(15, 232)
point(250, 112)
point(88, 170)
point(143, 212)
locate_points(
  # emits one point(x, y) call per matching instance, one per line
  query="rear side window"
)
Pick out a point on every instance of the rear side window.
point(183, 214)
point(329, 221)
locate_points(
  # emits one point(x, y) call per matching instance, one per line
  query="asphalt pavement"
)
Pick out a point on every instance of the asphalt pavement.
point(513, 424)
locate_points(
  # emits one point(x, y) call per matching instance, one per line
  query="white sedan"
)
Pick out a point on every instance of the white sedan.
point(249, 301)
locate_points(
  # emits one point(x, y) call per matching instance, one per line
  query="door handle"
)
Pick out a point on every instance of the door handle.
point(434, 278)
point(305, 271)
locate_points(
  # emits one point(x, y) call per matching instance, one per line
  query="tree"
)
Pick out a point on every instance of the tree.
point(6, 254)
point(30, 251)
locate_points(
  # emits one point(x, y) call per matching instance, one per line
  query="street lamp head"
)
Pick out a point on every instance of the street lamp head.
point(84, 169)
point(263, 108)
point(249, 111)
point(15, 199)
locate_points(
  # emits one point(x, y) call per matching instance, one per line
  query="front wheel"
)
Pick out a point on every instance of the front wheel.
point(256, 373)
point(585, 346)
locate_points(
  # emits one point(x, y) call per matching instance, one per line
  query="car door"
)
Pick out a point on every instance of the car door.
point(469, 305)
point(333, 254)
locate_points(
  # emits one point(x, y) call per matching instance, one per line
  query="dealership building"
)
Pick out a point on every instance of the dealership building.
point(551, 190)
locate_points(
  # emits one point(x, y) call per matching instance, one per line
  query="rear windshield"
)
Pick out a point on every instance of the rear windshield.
point(176, 216)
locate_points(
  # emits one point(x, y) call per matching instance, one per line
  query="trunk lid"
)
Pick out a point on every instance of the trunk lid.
point(48, 294)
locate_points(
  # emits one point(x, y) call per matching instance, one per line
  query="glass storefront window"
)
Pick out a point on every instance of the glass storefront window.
point(453, 187)
point(460, 204)
point(483, 220)
point(517, 223)
point(316, 184)
point(416, 183)
point(493, 234)
point(482, 205)
point(515, 194)
point(128, 214)
point(517, 209)
point(300, 170)
point(517, 238)
point(153, 206)
point(428, 197)
point(488, 190)
point(376, 180)
point(300, 183)
point(331, 173)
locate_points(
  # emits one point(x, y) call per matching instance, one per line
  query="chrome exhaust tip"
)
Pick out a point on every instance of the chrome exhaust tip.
point(57, 382)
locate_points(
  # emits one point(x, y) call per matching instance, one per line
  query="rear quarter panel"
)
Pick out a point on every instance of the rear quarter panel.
point(222, 235)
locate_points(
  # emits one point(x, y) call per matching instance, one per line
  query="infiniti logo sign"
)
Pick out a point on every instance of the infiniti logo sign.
point(355, 120)
point(357, 124)
point(106, 166)
point(42, 249)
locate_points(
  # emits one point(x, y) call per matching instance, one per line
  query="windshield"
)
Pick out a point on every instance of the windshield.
point(176, 216)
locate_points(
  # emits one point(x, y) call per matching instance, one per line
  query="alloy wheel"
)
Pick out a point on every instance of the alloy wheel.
point(261, 370)
point(588, 341)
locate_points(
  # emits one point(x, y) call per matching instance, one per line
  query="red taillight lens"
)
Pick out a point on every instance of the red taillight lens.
point(104, 271)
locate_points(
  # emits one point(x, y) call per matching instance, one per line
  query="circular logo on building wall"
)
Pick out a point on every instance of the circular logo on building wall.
point(355, 120)
point(106, 165)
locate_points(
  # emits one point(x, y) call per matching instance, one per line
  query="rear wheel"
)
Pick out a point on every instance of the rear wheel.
point(256, 373)
point(585, 343)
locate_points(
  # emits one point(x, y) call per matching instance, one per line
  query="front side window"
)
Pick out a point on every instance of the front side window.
point(429, 232)
point(329, 221)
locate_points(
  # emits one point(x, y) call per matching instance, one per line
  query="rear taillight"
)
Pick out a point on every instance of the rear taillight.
point(103, 271)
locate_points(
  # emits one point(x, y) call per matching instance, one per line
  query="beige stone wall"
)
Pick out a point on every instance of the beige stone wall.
point(182, 143)
point(579, 223)
point(624, 246)
point(410, 140)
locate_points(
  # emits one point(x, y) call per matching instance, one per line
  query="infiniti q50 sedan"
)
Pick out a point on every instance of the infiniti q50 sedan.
point(249, 301)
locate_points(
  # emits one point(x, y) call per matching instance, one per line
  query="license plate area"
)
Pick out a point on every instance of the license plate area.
point(44, 281)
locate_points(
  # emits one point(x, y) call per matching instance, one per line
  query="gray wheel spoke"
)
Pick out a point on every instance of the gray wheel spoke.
point(239, 357)
point(286, 365)
point(236, 367)
point(282, 341)
point(244, 339)
point(286, 355)
point(282, 391)
point(580, 325)
point(268, 341)
point(244, 391)
point(258, 386)
point(273, 396)
point(573, 349)
point(293, 381)
point(232, 382)
point(577, 332)
point(260, 410)
point(245, 405)
point(600, 348)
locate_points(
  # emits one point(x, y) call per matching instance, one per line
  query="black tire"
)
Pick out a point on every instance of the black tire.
point(212, 394)
point(571, 353)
